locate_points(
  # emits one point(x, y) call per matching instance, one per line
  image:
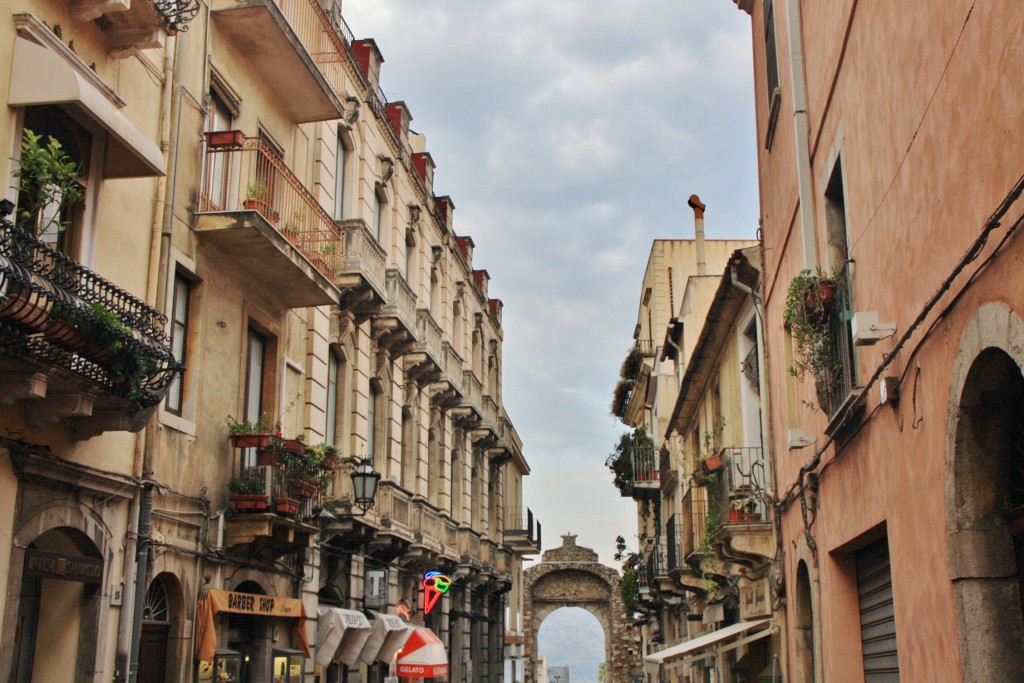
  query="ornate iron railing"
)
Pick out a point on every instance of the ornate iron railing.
point(250, 176)
point(743, 487)
point(837, 381)
point(56, 311)
point(177, 13)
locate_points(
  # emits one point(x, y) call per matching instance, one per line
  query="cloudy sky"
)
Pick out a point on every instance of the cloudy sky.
point(569, 134)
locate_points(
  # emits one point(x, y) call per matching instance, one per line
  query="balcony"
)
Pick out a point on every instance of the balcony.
point(522, 531)
point(427, 362)
point(644, 348)
point(278, 39)
point(129, 26)
point(636, 472)
point(267, 512)
point(394, 327)
point(261, 218)
point(75, 348)
point(362, 272)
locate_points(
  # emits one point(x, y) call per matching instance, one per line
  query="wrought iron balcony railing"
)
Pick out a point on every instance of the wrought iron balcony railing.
point(837, 381)
point(245, 174)
point(743, 486)
point(56, 312)
point(645, 348)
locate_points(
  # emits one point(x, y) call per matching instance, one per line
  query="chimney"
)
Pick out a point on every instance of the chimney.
point(445, 210)
point(698, 230)
point(424, 165)
point(369, 58)
point(399, 116)
point(466, 247)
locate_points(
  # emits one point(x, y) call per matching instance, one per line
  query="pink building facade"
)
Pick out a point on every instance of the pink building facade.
point(890, 154)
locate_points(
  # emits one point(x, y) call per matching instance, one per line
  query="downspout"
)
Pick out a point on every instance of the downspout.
point(801, 134)
point(698, 232)
point(156, 288)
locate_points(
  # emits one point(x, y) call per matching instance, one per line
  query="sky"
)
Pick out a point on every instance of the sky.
point(569, 134)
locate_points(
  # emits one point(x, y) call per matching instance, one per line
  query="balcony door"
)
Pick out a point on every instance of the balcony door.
point(254, 406)
point(218, 118)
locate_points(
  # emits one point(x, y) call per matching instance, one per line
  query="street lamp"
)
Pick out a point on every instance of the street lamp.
point(364, 482)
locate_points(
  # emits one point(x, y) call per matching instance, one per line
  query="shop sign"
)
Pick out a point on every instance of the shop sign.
point(435, 584)
point(375, 589)
point(43, 565)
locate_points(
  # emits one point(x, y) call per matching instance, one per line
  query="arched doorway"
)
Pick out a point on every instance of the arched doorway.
point(55, 635)
point(571, 576)
point(804, 626)
point(985, 494)
point(161, 614)
point(572, 637)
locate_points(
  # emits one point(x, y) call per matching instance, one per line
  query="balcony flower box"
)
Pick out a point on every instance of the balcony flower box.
point(304, 489)
point(224, 139)
point(286, 506)
point(711, 464)
point(251, 440)
point(255, 502)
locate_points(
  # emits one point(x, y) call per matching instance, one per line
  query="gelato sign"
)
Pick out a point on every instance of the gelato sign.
point(43, 565)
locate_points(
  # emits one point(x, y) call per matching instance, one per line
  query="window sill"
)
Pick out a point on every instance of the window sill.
point(177, 423)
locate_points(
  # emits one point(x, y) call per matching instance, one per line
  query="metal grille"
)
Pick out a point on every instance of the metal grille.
point(837, 381)
point(877, 616)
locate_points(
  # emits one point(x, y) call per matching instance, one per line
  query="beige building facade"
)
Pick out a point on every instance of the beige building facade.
point(889, 156)
point(308, 297)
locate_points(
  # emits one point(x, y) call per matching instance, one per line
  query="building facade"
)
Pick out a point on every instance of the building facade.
point(679, 288)
point(897, 432)
point(246, 291)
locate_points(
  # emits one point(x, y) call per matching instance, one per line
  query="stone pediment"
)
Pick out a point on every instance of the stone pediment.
point(569, 552)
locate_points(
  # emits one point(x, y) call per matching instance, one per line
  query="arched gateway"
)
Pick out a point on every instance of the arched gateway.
point(571, 576)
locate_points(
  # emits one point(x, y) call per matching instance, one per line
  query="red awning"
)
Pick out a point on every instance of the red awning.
point(423, 655)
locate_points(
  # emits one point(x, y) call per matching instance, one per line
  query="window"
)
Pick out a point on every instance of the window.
point(331, 433)
point(435, 292)
point(60, 225)
point(841, 379)
point(379, 207)
point(254, 404)
point(179, 339)
point(341, 158)
point(770, 55)
point(218, 118)
point(371, 425)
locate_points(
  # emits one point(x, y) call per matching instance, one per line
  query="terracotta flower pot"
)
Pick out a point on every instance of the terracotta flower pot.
point(250, 440)
point(286, 506)
point(736, 515)
point(711, 464)
point(243, 502)
point(219, 139)
point(303, 489)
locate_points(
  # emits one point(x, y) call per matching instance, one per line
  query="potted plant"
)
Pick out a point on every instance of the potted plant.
point(736, 510)
point(286, 506)
point(750, 512)
point(47, 187)
point(220, 139)
point(248, 434)
point(256, 198)
point(809, 303)
point(247, 493)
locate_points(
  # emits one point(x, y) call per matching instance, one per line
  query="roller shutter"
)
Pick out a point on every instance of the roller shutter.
point(877, 617)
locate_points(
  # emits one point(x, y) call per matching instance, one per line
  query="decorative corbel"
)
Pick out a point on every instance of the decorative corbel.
point(352, 106)
point(387, 168)
point(414, 213)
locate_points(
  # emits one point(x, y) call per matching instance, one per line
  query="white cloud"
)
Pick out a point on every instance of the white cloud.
point(569, 135)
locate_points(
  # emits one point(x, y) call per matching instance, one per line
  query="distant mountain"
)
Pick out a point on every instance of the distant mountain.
point(573, 637)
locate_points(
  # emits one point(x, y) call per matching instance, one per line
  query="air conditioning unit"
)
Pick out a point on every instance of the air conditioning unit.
point(867, 330)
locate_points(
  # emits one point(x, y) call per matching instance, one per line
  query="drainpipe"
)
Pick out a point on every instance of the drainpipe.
point(698, 230)
point(801, 134)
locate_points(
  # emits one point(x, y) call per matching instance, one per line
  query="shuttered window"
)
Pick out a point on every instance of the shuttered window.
point(877, 617)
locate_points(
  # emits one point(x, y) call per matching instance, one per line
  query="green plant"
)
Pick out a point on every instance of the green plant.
point(47, 185)
point(620, 396)
point(247, 485)
point(329, 249)
point(809, 301)
point(256, 191)
point(620, 462)
point(263, 425)
point(629, 584)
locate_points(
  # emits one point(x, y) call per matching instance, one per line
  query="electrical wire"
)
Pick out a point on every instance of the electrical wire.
point(973, 251)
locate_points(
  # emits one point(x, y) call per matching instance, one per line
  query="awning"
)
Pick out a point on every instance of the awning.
point(697, 648)
point(389, 633)
point(422, 655)
point(340, 635)
point(214, 601)
point(41, 76)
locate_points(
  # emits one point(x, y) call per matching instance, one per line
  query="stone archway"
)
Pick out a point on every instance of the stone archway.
point(571, 576)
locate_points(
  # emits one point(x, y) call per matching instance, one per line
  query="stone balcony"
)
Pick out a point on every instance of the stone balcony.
point(279, 39)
